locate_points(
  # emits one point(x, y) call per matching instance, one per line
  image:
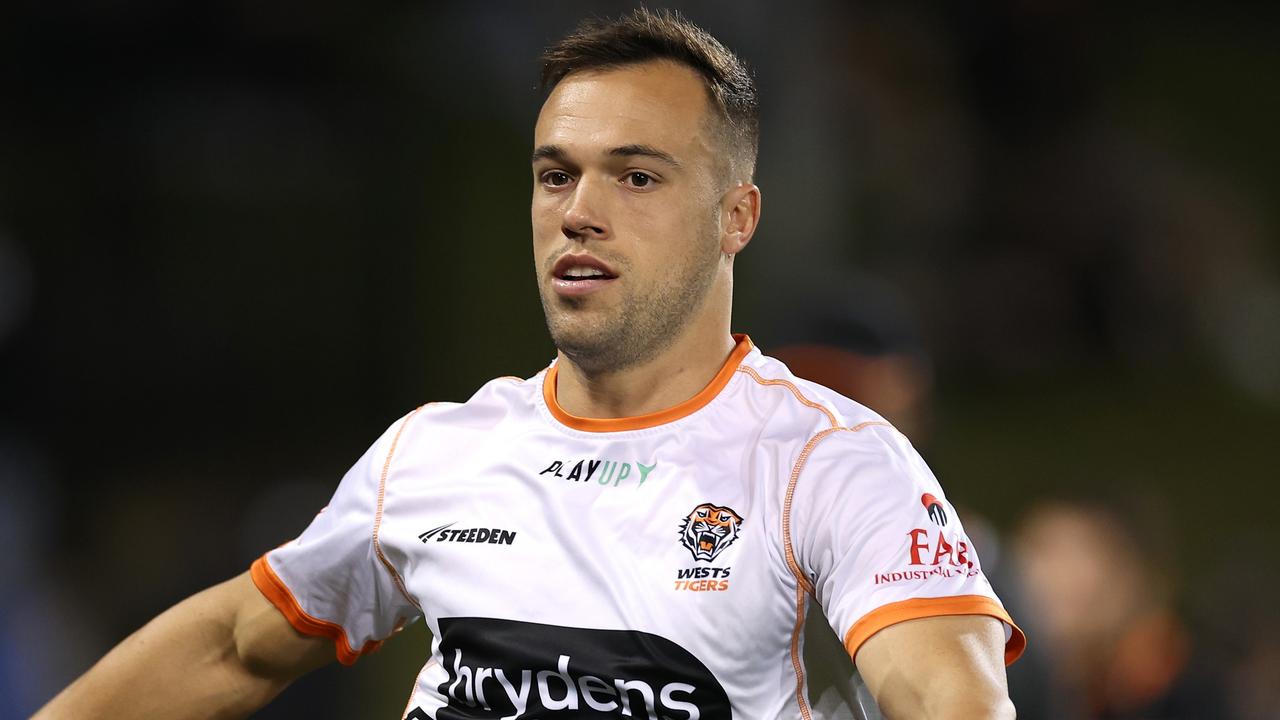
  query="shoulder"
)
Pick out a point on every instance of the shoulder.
point(437, 430)
point(830, 436)
point(500, 400)
point(801, 405)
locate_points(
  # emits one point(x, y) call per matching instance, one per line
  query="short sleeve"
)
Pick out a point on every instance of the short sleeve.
point(330, 581)
point(878, 541)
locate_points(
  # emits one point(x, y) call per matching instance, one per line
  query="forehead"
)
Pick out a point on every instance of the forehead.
point(659, 103)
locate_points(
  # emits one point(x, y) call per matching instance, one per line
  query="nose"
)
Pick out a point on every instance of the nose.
point(584, 215)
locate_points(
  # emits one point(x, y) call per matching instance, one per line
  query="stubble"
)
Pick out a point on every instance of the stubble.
point(643, 323)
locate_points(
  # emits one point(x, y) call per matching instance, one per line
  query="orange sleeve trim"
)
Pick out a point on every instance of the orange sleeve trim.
point(896, 612)
point(278, 593)
point(662, 417)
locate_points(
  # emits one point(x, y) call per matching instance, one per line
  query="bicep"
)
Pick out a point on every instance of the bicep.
point(936, 667)
point(268, 646)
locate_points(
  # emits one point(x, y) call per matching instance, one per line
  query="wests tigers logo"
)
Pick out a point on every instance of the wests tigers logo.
point(709, 529)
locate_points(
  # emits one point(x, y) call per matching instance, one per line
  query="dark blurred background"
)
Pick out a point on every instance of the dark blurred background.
point(238, 239)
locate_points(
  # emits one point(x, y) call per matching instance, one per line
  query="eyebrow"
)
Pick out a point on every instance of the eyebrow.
point(557, 153)
point(644, 151)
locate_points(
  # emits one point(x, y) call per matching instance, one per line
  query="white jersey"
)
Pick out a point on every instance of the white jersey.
point(650, 567)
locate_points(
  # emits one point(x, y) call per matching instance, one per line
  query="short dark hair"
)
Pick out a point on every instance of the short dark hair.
point(644, 35)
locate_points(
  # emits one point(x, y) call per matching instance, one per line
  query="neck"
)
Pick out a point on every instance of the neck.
point(671, 377)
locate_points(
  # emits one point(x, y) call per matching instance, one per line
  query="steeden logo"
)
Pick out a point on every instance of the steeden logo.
point(491, 536)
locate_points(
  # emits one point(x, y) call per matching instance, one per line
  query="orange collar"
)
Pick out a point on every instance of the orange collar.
point(661, 417)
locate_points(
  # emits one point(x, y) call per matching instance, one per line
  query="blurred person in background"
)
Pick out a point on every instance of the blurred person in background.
point(1103, 593)
point(1238, 607)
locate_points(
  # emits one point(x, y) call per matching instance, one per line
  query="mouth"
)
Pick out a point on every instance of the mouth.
point(707, 541)
point(575, 275)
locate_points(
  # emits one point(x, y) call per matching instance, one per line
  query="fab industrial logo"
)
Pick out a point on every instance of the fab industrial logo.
point(938, 552)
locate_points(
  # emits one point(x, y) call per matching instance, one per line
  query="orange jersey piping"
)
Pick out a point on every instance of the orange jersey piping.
point(377, 521)
point(794, 391)
point(796, 663)
point(803, 584)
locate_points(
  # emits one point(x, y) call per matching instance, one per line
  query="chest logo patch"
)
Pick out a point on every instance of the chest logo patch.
point(709, 529)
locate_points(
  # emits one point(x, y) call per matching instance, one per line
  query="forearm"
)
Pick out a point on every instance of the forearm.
point(186, 663)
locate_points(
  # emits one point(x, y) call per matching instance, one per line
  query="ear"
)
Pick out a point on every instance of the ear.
point(739, 215)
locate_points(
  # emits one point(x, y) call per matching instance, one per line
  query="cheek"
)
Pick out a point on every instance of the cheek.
point(539, 212)
point(679, 229)
point(546, 225)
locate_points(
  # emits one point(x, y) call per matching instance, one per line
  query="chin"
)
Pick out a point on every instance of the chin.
point(590, 342)
point(578, 334)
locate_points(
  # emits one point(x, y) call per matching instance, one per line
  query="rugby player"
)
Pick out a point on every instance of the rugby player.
point(639, 529)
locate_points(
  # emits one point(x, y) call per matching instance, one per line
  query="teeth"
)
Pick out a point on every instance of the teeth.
point(583, 272)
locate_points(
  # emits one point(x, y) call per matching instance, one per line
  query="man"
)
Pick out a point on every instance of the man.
point(638, 530)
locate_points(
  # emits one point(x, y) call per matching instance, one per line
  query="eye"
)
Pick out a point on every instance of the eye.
point(639, 179)
point(702, 513)
point(556, 178)
point(724, 517)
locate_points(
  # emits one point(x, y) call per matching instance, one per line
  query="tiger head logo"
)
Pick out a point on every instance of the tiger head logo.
point(708, 530)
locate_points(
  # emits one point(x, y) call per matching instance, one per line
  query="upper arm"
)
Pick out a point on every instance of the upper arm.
point(938, 667)
point(266, 643)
